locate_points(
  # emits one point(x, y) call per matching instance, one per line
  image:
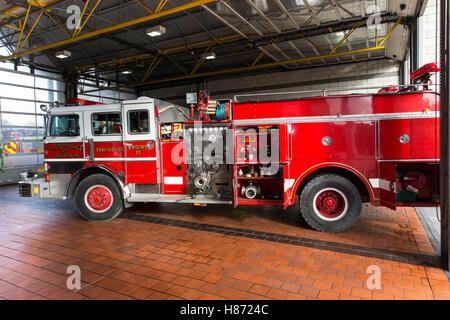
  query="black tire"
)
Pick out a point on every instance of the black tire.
point(115, 206)
point(348, 200)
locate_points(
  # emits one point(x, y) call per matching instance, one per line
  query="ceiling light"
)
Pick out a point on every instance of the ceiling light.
point(63, 54)
point(156, 31)
point(126, 72)
point(210, 56)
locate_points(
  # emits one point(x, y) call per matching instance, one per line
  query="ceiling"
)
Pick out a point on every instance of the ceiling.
point(245, 36)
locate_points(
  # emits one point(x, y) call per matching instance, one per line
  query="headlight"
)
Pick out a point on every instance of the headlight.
point(24, 176)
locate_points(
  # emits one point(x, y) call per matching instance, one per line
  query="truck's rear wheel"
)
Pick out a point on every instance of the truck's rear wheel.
point(330, 203)
point(97, 198)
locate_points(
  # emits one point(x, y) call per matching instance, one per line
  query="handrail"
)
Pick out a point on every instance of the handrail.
point(324, 91)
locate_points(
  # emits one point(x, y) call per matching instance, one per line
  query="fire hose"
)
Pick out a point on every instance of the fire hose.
point(223, 111)
point(414, 181)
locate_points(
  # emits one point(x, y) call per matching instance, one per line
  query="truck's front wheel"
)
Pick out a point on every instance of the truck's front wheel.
point(97, 198)
point(330, 203)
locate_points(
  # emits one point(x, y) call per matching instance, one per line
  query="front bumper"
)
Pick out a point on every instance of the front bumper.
point(34, 188)
point(37, 188)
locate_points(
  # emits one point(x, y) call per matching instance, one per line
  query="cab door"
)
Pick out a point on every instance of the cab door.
point(64, 141)
point(139, 142)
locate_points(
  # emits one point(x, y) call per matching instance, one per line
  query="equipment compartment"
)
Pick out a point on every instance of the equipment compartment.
point(259, 184)
point(257, 144)
point(417, 184)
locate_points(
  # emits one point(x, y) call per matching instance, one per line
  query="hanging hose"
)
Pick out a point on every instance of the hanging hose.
point(220, 112)
point(223, 111)
point(179, 109)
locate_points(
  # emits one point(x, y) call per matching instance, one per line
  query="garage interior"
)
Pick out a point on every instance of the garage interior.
point(122, 50)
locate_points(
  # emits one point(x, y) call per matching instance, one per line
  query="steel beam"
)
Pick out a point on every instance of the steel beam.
point(151, 67)
point(241, 17)
point(261, 54)
point(287, 36)
point(201, 60)
point(160, 6)
point(144, 6)
point(31, 30)
point(345, 37)
point(243, 35)
point(81, 18)
point(23, 27)
point(14, 18)
point(313, 14)
point(240, 69)
point(286, 12)
point(390, 31)
point(236, 29)
point(87, 18)
point(236, 38)
point(255, 7)
point(122, 25)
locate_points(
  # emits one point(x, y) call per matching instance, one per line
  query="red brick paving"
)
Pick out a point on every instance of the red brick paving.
point(126, 259)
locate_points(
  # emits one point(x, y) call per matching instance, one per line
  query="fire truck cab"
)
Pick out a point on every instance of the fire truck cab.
point(332, 153)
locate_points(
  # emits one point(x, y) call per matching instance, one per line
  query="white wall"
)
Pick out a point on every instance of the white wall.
point(377, 73)
point(428, 31)
point(429, 35)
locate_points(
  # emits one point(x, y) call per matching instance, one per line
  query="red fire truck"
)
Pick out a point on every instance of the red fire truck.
point(332, 151)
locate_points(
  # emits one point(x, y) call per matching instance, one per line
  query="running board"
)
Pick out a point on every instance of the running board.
point(151, 197)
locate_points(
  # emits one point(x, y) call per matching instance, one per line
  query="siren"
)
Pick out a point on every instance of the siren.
point(423, 74)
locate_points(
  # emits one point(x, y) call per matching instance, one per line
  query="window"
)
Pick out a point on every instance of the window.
point(18, 106)
point(65, 126)
point(138, 122)
point(106, 123)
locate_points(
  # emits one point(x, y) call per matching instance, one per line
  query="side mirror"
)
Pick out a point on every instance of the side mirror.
point(45, 108)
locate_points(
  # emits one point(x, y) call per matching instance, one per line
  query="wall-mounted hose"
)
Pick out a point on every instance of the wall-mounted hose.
point(223, 111)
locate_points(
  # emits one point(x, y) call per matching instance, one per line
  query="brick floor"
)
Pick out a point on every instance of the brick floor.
point(128, 259)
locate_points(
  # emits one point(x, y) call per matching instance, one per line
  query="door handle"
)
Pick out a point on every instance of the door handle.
point(91, 150)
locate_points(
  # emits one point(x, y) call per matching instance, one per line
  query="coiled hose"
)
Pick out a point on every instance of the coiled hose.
point(222, 112)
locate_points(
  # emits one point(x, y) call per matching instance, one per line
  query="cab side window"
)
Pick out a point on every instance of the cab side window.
point(106, 123)
point(138, 122)
point(65, 126)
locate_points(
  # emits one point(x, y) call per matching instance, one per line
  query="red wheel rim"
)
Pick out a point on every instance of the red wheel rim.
point(330, 204)
point(99, 198)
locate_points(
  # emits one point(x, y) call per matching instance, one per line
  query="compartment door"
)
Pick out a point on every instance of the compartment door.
point(387, 185)
point(173, 167)
point(285, 136)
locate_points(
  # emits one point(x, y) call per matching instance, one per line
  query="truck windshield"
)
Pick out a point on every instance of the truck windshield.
point(65, 126)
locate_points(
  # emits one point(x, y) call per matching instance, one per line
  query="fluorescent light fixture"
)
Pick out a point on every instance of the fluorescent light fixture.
point(63, 54)
point(156, 31)
point(126, 72)
point(209, 56)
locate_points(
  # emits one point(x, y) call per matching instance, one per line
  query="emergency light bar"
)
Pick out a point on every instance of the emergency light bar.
point(423, 74)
